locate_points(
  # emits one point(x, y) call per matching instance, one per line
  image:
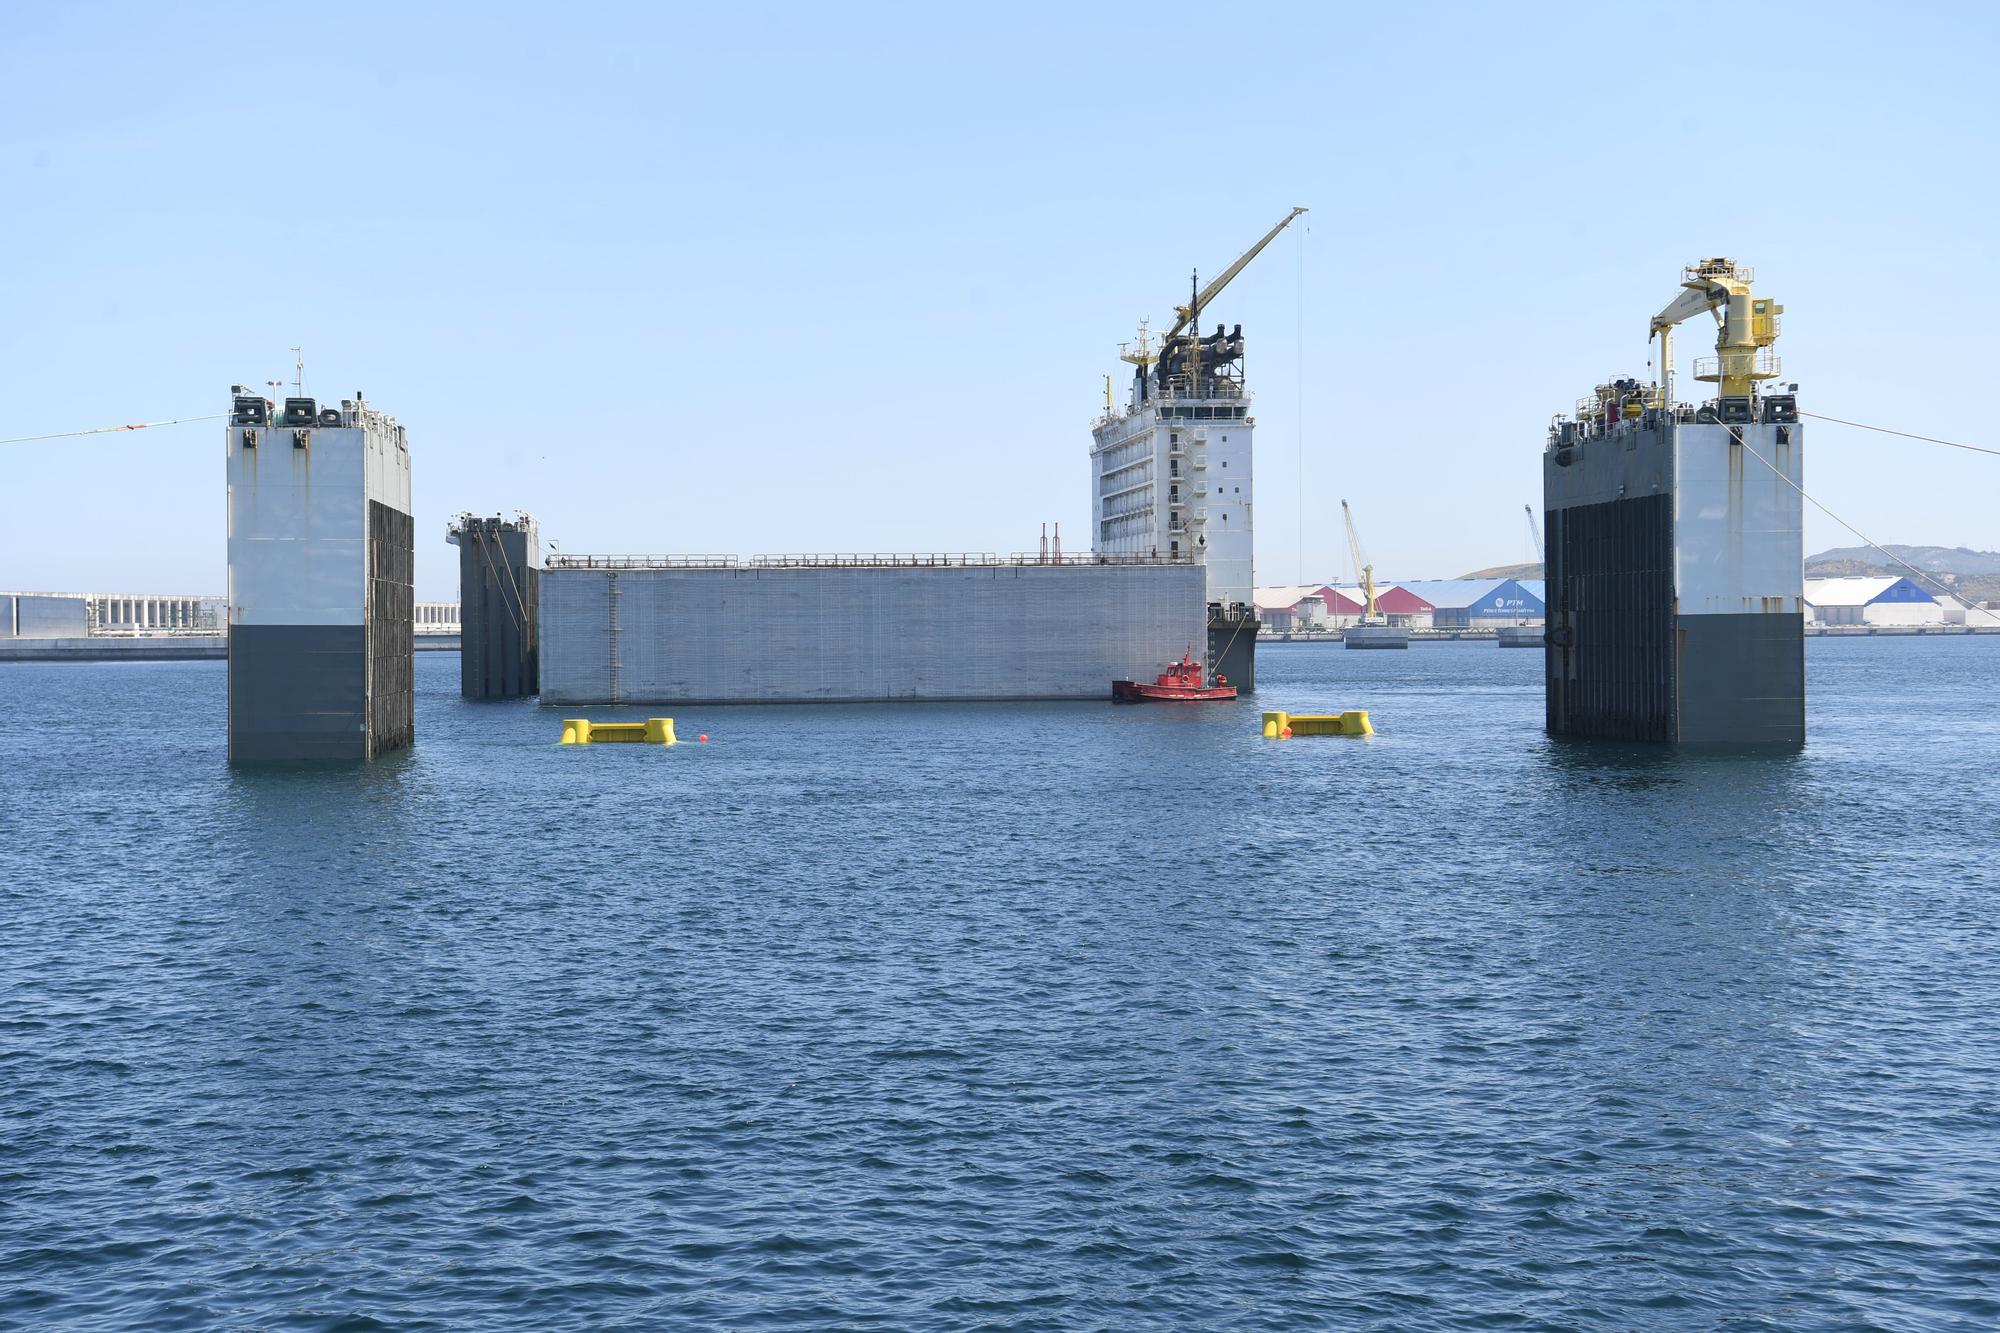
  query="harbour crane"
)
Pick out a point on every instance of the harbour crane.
point(1535, 533)
point(1362, 570)
point(1747, 326)
point(1144, 355)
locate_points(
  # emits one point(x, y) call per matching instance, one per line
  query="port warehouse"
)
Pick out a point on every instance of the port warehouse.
point(806, 629)
point(113, 627)
point(59, 615)
point(1417, 604)
point(65, 615)
point(1888, 601)
point(77, 615)
point(1492, 603)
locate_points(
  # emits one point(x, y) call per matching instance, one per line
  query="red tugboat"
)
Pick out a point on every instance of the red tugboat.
point(1179, 683)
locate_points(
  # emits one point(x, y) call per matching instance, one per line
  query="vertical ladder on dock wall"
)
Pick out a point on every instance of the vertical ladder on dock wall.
point(611, 611)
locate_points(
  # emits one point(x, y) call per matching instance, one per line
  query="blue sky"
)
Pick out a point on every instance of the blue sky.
point(773, 278)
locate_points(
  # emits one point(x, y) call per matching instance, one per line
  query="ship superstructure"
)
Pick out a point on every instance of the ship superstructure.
point(1675, 542)
point(1171, 470)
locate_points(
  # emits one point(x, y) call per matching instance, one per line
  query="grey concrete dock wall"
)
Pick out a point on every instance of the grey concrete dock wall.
point(843, 634)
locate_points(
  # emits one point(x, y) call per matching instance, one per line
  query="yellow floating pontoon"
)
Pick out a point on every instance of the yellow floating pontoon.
point(1284, 726)
point(653, 731)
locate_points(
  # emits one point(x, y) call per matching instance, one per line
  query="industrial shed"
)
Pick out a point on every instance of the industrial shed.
point(1286, 607)
point(1343, 605)
point(1870, 600)
point(1478, 603)
point(28, 615)
point(1403, 607)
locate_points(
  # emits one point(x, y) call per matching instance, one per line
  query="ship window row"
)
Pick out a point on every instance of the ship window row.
point(1111, 538)
point(1125, 455)
point(1139, 462)
point(1204, 413)
point(1126, 446)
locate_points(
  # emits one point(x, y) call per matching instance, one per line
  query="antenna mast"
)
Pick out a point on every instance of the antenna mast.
point(1194, 333)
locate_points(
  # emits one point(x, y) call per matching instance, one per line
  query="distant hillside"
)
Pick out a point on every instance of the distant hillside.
point(1930, 559)
point(1532, 571)
point(1973, 575)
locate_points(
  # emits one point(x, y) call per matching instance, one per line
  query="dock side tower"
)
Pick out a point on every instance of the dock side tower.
point(1675, 542)
point(1171, 470)
point(321, 593)
point(499, 605)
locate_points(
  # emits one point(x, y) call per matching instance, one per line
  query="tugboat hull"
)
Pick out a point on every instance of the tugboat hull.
point(1132, 692)
point(1183, 682)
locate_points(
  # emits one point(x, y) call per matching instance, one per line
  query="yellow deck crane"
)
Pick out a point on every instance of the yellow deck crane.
point(1743, 342)
point(1145, 354)
point(1363, 571)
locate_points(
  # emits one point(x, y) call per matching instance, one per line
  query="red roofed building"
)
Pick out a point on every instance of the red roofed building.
point(1404, 607)
point(1343, 605)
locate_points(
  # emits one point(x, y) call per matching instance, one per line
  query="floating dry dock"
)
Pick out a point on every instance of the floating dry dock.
point(321, 575)
point(1675, 584)
point(860, 628)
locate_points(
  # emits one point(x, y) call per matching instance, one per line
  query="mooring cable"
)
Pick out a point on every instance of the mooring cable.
point(1908, 435)
point(107, 430)
point(1891, 556)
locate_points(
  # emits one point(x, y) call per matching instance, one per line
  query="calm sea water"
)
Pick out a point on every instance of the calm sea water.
point(1047, 1017)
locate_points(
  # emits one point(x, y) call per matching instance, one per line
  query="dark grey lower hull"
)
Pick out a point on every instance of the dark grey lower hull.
point(1622, 665)
point(499, 605)
point(297, 692)
point(392, 665)
point(1609, 641)
point(1741, 680)
point(1232, 648)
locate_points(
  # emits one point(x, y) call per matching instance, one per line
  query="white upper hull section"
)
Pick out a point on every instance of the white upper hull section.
point(298, 517)
point(1739, 543)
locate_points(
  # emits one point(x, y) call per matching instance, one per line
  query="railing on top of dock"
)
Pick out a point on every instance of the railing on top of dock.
point(1097, 558)
point(875, 560)
point(863, 560)
point(643, 562)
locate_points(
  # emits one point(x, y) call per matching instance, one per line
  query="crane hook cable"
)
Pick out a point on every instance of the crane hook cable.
point(1927, 439)
point(1890, 556)
point(106, 430)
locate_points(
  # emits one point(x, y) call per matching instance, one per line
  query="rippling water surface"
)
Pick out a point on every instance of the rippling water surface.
point(1054, 1017)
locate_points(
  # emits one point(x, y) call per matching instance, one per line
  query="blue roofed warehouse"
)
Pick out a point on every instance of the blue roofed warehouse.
point(1480, 603)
